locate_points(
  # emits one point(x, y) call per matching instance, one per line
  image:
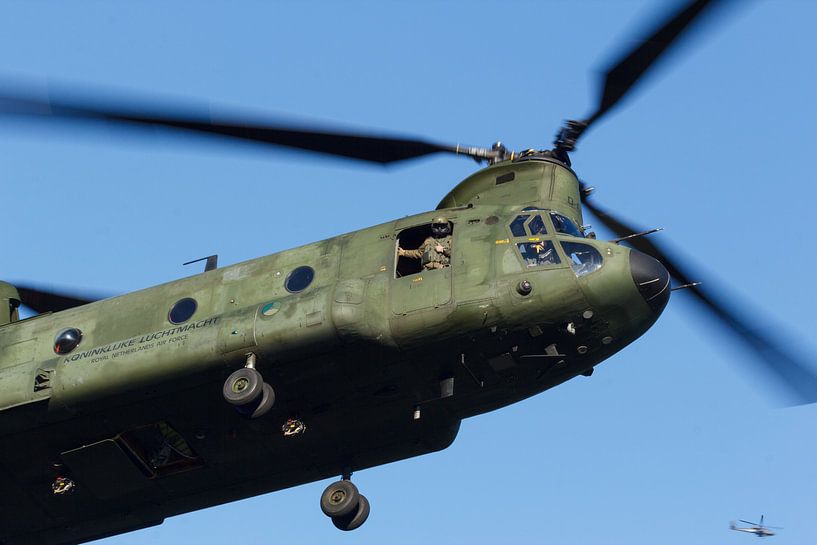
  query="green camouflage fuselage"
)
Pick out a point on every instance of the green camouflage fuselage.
point(353, 356)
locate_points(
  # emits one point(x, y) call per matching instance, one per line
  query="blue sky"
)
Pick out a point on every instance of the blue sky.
point(668, 440)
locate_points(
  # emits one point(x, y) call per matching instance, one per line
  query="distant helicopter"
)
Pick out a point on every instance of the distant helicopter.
point(757, 528)
point(116, 414)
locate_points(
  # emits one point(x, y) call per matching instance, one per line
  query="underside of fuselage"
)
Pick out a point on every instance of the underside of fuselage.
point(235, 457)
point(362, 406)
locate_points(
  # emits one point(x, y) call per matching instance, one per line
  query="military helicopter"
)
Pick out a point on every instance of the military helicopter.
point(343, 340)
point(757, 528)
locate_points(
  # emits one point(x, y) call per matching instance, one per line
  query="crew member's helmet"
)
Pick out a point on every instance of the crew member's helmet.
point(440, 227)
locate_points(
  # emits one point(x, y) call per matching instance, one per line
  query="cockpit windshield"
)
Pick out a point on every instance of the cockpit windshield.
point(537, 226)
point(538, 252)
point(518, 225)
point(565, 225)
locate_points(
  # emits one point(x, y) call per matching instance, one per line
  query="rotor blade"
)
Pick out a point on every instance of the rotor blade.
point(747, 522)
point(49, 301)
point(794, 375)
point(364, 147)
point(624, 73)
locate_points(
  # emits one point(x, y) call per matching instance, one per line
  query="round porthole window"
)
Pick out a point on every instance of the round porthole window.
point(182, 310)
point(299, 279)
point(66, 340)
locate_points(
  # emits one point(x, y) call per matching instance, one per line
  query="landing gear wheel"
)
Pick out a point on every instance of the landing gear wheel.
point(243, 387)
point(260, 406)
point(267, 401)
point(354, 520)
point(340, 499)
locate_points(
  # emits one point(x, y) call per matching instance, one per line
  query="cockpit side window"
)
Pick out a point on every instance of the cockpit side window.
point(565, 225)
point(584, 259)
point(537, 253)
point(518, 225)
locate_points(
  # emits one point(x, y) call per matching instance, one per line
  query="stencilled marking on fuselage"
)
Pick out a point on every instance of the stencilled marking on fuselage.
point(138, 344)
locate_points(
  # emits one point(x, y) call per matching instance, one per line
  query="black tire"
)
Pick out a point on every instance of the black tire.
point(243, 387)
point(267, 401)
point(354, 520)
point(339, 499)
point(260, 406)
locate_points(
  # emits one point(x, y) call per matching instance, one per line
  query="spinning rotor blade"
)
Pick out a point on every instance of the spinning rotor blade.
point(372, 148)
point(49, 301)
point(795, 375)
point(622, 76)
point(628, 70)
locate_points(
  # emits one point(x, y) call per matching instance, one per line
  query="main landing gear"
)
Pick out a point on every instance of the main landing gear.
point(247, 391)
point(347, 507)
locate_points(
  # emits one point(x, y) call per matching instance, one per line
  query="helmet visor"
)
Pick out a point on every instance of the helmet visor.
point(440, 229)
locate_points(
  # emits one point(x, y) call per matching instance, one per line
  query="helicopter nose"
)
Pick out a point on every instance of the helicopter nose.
point(651, 278)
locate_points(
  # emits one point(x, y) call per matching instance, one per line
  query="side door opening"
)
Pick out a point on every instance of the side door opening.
point(422, 275)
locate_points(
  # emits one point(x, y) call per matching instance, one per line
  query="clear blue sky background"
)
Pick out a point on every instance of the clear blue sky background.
point(668, 441)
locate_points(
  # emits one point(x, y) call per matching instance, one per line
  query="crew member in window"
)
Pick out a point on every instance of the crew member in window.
point(435, 251)
point(539, 253)
point(533, 256)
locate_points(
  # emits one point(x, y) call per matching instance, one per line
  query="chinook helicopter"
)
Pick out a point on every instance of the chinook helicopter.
point(316, 340)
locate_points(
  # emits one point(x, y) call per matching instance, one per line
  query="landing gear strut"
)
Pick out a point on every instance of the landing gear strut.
point(347, 507)
point(247, 391)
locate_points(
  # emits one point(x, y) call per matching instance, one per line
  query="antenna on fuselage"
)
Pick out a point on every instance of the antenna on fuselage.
point(212, 262)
